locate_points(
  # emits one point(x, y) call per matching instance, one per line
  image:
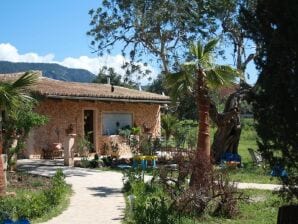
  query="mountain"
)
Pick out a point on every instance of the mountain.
point(49, 70)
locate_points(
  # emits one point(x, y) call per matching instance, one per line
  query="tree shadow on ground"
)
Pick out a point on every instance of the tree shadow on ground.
point(104, 191)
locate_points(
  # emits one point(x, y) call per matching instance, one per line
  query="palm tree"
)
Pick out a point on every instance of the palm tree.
point(200, 76)
point(168, 123)
point(13, 95)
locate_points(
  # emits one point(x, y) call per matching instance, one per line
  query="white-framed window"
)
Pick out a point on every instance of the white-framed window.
point(112, 122)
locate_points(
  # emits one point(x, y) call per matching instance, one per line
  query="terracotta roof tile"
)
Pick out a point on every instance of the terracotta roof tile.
point(61, 89)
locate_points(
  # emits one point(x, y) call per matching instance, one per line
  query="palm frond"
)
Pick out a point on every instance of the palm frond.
point(15, 94)
point(181, 82)
point(221, 75)
point(196, 49)
point(203, 53)
point(25, 81)
point(210, 46)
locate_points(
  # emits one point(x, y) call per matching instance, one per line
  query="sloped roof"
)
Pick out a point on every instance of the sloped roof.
point(87, 91)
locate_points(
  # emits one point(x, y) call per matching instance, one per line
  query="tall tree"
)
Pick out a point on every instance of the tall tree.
point(274, 28)
point(227, 135)
point(200, 76)
point(163, 29)
point(13, 95)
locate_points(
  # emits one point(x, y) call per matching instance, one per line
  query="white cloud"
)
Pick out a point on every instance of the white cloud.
point(9, 52)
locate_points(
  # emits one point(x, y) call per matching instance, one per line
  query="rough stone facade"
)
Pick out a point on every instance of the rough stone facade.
point(62, 113)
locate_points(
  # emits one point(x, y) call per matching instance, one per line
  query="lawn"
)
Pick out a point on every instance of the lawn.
point(250, 171)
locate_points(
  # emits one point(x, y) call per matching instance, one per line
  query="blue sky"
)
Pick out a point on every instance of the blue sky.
point(47, 26)
point(54, 31)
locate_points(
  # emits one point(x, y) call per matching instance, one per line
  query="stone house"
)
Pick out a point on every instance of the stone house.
point(96, 110)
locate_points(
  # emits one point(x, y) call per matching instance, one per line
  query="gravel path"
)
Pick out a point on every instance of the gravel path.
point(97, 196)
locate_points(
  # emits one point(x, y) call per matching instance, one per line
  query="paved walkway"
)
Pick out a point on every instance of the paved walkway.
point(271, 187)
point(97, 196)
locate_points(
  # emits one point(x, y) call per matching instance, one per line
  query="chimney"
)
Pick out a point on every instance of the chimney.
point(108, 79)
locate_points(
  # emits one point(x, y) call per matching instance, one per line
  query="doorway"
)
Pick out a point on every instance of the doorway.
point(89, 127)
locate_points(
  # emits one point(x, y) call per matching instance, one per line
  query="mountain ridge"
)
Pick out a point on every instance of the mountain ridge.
point(50, 70)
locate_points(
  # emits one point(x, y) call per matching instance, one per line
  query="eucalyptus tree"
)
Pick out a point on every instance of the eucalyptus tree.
point(12, 96)
point(158, 28)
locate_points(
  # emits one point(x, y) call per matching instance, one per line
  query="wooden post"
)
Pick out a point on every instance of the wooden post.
point(69, 150)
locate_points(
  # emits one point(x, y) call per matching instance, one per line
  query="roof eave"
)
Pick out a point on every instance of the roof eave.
point(155, 101)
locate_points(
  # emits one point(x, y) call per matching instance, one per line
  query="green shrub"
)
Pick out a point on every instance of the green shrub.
point(85, 163)
point(33, 204)
point(150, 206)
point(152, 209)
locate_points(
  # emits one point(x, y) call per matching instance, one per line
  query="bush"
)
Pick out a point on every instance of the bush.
point(28, 204)
point(107, 161)
point(150, 205)
point(153, 209)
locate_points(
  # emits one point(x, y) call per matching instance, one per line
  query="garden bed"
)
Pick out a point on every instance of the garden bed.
point(149, 203)
point(33, 197)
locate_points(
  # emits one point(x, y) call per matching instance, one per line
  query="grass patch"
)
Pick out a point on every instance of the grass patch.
point(36, 198)
point(57, 210)
point(262, 208)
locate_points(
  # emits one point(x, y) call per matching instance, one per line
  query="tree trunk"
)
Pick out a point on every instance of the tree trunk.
point(2, 175)
point(201, 163)
point(227, 135)
point(203, 146)
point(287, 214)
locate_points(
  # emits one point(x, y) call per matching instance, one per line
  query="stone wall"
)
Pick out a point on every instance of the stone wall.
point(62, 113)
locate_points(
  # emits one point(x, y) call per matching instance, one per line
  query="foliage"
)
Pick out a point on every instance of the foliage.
point(167, 198)
point(168, 124)
point(125, 133)
point(146, 145)
point(115, 78)
point(136, 130)
point(185, 134)
point(17, 125)
point(199, 77)
point(36, 203)
point(157, 85)
point(160, 28)
point(184, 109)
point(149, 204)
point(13, 94)
point(273, 27)
point(84, 146)
point(85, 163)
point(107, 161)
point(95, 162)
